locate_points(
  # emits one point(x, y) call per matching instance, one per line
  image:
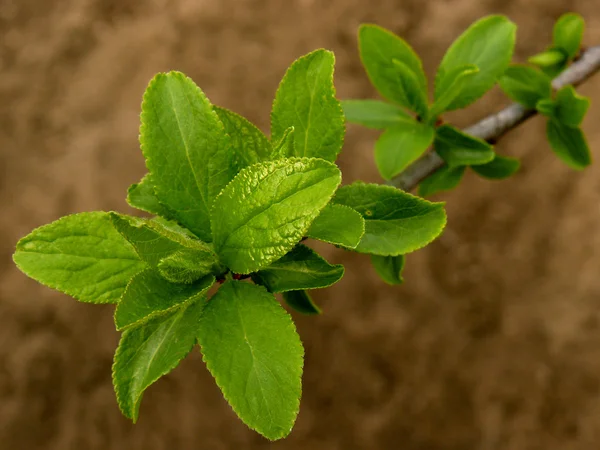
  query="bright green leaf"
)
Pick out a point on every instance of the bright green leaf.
point(526, 85)
point(400, 146)
point(306, 101)
point(451, 87)
point(186, 148)
point(568, 33)
point(461, 149)
point(547, 107)
point(443, 179)
point(499, 168)
point(81, 255)
point(267, 208)
point(300, 301)
point(571, 107)
point(548, 59)
point(389, 268)
point(251, 347)
point(187, 266)
point(378, 50)
point(487, 44)
point(285, 146)
point(395, 222)
point(415, 96)
point(569, 144)
point(338, 225)
point(151, 350)
point(374, 114)
point(302, 268)
point(148, 294)
point(141, 196)
point(248, 143)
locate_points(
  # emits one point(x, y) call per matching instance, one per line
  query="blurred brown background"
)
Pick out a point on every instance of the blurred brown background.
point(493, 343)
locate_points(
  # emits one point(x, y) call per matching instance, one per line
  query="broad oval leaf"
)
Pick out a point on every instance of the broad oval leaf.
point(81, 255)
point(389, 268)
point(248, 143)
point(306, 101)
point(267, 208)
point(151, 350)
point(443, 179)
point(461, 149)
point(395, 222)
point(499, 168)
point(526, 85)
point(302, 268)
point(489, 45)
point(148, 294)
point(142, 196)
point(374, 114)
point(569, 144)
point(186, 148)
point(570, 107)
point(568, 33)
point(251, 347)
point(338, 225)
point(400, 146)
point(378, 49)
point(302, 302)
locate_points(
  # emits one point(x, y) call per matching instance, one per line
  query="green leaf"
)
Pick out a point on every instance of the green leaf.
point(300, 301)
point(395, 222)
point(526, 85)
point(550, 59)
point(285, 146)
point(461, 149)
point(251, 347)
point(571, 107)
point(547, 107)
point(248, 143)
point(389, 268)
point(569, 144)
point(149, 351)
point(499, 168)
point(400, 146)
point(186, 148)
point(306, 101)
point(374, 114)
point(487, 44)
point(141, 196)
point(148, 294)
point(338, 225)
point(443, 179)
point(568, 33)
point(81, 255)
point(379, 48)
point(302, 268)
point(187, 266)
point(451, 87)
point(267, 208)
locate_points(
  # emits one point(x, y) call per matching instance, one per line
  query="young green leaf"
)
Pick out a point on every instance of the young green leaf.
point(187, 266)
point(499, 168)
point(461, 149)
point(148, 294)
point(186, 148)
point(487, 44)
point(570, 107)
point(267, 208)
point(141, 196)
point(389, 268)
point(81, 255)
point(569, 144)
point(151, 350)
point(400, 146)
point(568, 33)
point(285, 146)
point(443, 179)
point(395, 222)
point(300, 301)
point(251, 347)
point(378, 49)
point(302, 268)
point(338, 225)
point(306, 101)
point(451, 87)
point(374, 114)
point(549, 59)
point(248, 143)
point(526, 85)
point(547, 107)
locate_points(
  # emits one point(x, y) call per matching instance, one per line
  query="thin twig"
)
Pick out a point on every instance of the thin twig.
point(493, 127)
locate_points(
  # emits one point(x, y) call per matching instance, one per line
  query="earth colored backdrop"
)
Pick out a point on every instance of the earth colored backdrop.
point(493, 343)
